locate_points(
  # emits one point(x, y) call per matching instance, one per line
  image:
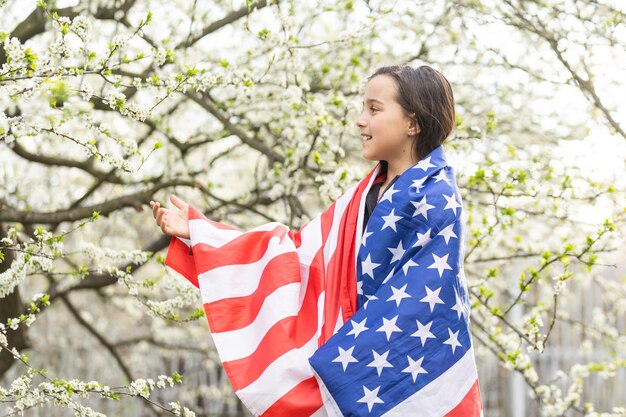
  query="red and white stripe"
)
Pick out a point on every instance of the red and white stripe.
point(272, 296)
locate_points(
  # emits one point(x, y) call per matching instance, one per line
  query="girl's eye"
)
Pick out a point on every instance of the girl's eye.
point(373, 109)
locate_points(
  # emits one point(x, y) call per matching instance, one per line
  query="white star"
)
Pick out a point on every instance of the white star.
point(418, 184)
point(388, 277)
point(357, 328)
point(389, 327)
point(448, 233)
point(407, 265)
point(453, 341)
point(369, 298)
point(451, 204)
point(345, 357)
point(397, 252)
point(366, 234)
point(458, 307)
point(367, 266)
point(424, 164)
point(359, 287)
point(422, 239)
point(442, 177)
point(380, 362)
point(391, 220)
point(370, 397)
point(440, 264)
point(423, 332)
point(415, 367)
point(398, 294)
point(388, 195)
point(422, 207)
point(432, 298)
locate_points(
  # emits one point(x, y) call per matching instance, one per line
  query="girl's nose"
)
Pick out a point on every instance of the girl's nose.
point(360, 121)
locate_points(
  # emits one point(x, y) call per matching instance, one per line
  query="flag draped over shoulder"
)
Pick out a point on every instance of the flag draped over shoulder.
point(334, 320)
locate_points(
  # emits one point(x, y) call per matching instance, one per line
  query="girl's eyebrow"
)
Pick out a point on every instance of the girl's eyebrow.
point(371, 100)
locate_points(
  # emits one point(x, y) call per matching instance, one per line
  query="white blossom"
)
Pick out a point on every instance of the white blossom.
point(142, 387)
point(15, 274)
point(119, 41)
point(82, 26)
point(160, 55)
point(4, 125)
point(14, 51)
point(86, 92)
point(579, 371)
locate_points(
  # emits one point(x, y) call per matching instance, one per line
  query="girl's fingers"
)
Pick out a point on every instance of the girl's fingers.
point(165, 226)
point(173, 226)
point(155, 207)
point(159, 217)
point(178, 202)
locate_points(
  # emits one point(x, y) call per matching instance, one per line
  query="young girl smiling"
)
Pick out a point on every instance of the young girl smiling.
point(364, 311)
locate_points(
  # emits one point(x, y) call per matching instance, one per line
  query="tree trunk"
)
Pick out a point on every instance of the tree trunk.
point(10, 306)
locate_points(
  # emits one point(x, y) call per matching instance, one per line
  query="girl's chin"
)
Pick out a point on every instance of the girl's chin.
point(369, 157)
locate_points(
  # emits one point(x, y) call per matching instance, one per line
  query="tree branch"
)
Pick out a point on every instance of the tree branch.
point(209, 105)
point(85, 165)
point(9, 214)
point(225, 21)
point(98, 336)
point(95, 281)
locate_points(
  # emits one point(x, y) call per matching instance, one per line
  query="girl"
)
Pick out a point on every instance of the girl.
point(364, 311)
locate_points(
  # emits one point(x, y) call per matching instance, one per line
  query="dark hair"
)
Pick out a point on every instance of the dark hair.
point(426, 96)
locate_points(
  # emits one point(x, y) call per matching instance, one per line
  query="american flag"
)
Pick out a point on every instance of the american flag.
point(334, 320)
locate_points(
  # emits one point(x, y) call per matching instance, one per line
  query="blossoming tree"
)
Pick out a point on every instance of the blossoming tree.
point(247, 109)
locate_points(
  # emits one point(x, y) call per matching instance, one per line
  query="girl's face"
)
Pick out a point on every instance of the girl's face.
point(386, 131)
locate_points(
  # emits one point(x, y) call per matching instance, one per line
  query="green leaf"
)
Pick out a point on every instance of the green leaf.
point(45, 300)
point(264, 34)
point(197, 313)
point(507, 211)
point(496, 311)
point(486, 293)
point(491, 122)
point(317, 158)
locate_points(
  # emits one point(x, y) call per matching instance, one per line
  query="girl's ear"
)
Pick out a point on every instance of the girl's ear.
point(412, 127)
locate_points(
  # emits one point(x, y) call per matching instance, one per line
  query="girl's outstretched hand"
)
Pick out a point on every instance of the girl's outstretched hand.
point(174, 221)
